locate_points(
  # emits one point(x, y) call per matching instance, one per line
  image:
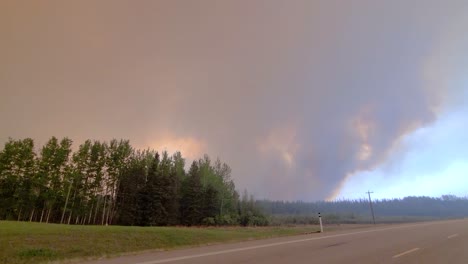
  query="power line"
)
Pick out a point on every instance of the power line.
point(371, 208)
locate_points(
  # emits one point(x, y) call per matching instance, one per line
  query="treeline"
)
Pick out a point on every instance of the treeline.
point(112, 183)
point(447, 206)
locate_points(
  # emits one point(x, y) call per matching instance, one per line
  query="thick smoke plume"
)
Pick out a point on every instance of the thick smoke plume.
point(294, 95)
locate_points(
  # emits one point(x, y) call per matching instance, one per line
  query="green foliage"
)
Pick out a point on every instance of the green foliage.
point(52, 176)
point(17, 178)
point(209, 221)
point(192, 197)
point(111, 183)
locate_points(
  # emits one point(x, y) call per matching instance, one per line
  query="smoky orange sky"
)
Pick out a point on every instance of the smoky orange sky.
point(296, 96)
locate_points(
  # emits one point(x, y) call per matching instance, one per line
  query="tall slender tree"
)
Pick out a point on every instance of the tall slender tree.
point(17, 170)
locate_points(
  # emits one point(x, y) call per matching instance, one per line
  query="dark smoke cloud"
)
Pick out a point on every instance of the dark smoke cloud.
point(294, 95)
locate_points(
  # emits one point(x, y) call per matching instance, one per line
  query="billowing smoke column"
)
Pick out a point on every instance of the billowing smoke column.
point(294, 96)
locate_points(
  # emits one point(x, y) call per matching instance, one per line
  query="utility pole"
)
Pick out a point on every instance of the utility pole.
point(371, 208)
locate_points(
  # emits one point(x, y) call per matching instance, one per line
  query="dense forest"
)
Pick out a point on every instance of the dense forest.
point(104, 183)
point(112, 183)
point(357, 211)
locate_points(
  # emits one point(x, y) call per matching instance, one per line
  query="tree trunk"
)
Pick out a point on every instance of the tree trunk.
point(32, 214)
point(42, 214)
point(70, 216)
point(90, 213)
point(83, 220)
point(104, 209)
point(112, 205)
point(66, 203)
point(72, 207)
point(96, 211)
point(48, 214)
point(107, 214)
point(19, 214)
point(114, 201)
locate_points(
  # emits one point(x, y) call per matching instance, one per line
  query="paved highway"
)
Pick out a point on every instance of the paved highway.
point(429, 242)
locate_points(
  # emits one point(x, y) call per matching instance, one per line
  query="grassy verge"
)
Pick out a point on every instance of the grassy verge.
point(22, 242)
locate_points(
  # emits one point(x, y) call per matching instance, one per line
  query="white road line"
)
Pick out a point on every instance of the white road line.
point(452, 236)
point(278, 244)
point(406, 252)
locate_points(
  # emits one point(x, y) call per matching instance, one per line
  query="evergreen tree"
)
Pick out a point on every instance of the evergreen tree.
point(171, 185)
point(192, 197)
point(156, 189)
point(132, 179)
point(210, 205)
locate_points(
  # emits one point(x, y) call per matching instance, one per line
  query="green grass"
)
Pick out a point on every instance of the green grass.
point(23, 242)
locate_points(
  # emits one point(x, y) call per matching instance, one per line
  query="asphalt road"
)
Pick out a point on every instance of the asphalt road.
point(429, 242)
